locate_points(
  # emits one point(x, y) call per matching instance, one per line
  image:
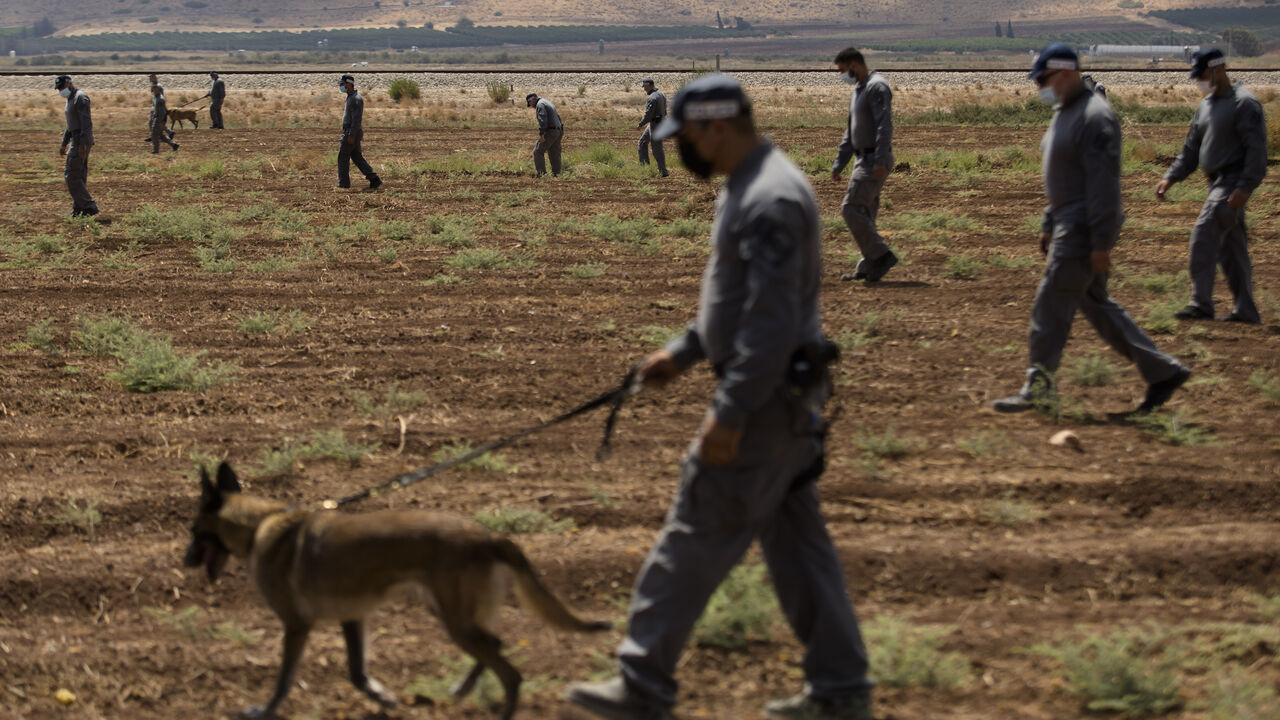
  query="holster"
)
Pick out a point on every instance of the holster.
point(810, 361)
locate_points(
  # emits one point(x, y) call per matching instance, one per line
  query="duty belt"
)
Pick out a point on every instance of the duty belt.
point(865, 151)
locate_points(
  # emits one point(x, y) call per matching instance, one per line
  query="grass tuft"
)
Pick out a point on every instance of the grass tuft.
point(744, 609)
point(908, 655)
point(1120, 673)
point(522, 521)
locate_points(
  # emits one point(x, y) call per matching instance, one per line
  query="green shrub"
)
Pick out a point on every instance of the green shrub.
point(1093, 371)
point(41, 336)
point(742, 610)
point(963, 267)
point(490, 462)
point(903, 655)
point(1120, 673)
point(1177, 429)
point(1265, 382)
point(499, 92)
point(885, 445)
point(404, 88)
point(149, 362)
point(522, 521)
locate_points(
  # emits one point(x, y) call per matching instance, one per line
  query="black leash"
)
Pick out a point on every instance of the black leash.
point(617, 396)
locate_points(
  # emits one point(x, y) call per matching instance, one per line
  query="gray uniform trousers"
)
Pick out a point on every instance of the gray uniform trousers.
point(860, 208)
point(76, 174)
point(718, 513)
point(215, 113)
point(160, 133)
point(659, 155)
point(1068, 284)
point(348, 153)
point(1220, 238)
point(549, 147)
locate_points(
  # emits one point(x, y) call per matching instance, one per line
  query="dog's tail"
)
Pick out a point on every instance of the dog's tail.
point(535, 596)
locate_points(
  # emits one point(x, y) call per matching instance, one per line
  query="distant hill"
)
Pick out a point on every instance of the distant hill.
point(95, 16)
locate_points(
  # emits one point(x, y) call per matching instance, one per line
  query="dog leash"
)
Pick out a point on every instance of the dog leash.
point(615, 397)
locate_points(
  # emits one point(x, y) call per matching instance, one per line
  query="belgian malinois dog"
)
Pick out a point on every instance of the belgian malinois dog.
point(312, 566)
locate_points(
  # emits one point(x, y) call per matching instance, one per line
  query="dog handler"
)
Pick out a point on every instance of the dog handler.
point(76, 141)
point(352, 134)
point(216, 93)
point(159, 116)
point(750, 474)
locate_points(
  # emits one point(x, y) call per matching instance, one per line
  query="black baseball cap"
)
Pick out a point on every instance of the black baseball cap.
point(1205, 60)
point(1054, 57)
point(347, 78)
point(715, 96)
point(530, 96)
point(61, 82)
point(647, 81)
point(213, 73)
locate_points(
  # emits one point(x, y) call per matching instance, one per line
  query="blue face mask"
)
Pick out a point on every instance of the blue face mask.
point(1049, 95)
point(65, 92)
point(848, 79)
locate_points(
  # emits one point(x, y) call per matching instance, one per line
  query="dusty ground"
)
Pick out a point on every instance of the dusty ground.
point(981, 526)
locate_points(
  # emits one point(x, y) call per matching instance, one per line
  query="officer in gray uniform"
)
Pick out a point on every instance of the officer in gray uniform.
point(76, 142)
point(216, 93)
point(1081, 152)
point(159, 115)
point(655, 108)
point(751, 472)
point(352, 134)
point(550, 133)
point(868, 135)
point(1228, 140)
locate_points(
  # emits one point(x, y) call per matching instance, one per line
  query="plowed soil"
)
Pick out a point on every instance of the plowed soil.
point(981, 525)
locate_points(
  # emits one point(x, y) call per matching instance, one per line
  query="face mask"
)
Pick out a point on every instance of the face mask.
point(1205, 86)
point(848, 79)
point(1049, 95)
point(698, 165)
point(65, 92)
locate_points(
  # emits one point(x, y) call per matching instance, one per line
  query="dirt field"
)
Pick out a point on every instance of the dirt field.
point(977, 527)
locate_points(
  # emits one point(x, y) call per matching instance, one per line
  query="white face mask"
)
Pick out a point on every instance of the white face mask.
point(848, 79)
point(1049, 95)
point(1205, 86)
point(65, 92)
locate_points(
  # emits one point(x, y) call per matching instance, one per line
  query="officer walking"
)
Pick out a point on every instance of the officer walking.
point(151, 118)
point(550, 133)
point(352, 134)
point(655, 108)
point(868, 135)
point(751, 472)
point(1228, 140)
point(1082, 221)
point(216, 93)
point(76, 141)
point(159, 115)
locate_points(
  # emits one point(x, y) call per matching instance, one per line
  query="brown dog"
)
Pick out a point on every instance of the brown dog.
point(311, 566)
point(177, 116)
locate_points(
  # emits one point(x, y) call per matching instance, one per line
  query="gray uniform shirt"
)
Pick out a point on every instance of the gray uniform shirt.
point(1081, 170)
point(1228, 137)
point(218, 90)
point(79, 123)
point(870, 123)
point(158, 108)
point(759, 299)
point(353, 117)
point(655, 108)
point(548, 118)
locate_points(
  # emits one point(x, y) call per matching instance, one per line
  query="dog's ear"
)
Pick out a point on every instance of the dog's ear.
point(227, 480)
point(210, 496)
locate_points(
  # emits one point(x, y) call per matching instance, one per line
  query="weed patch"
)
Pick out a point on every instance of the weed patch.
point(744, 609)
point(906, 655)
point(522, 521)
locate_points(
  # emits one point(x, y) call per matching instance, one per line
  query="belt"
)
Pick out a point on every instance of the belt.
point(865, 151)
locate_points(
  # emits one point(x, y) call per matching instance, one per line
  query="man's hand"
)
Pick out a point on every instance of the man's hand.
point(350, 140)
point(1044, 242)
point(658, 369)
point(82, 151)
point(1101, 261)
point(62, 150)
point(835, 175)
point(542, 138)
point(718, 444)
point(1162, 187)
point(1238, 198)
point(880, 172)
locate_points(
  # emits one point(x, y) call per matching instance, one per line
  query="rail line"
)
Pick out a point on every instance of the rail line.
point(571, 71)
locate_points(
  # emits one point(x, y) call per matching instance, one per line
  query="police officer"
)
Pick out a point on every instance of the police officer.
point(76, 142)
point(352, 134)
point(1228, 140)
point(550, 132)
point(216, 93)
point(868, 135)
point(655, 108)
point(751, 472)
point(159, 115)
point(1081, 152)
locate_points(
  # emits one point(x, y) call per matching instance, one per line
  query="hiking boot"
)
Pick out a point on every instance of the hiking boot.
point(881, 266)
point(1158, 393)
point(175, 147)
point(375, 183)
point(1193, 312)
point(615, 700)
point(807, 707)
point(1238, 318)
point(1037, 390)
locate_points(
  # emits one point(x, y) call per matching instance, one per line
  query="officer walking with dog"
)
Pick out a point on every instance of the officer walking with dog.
point(655, 108)
point(77, 139)
point(352, 135)
point(868, 135)
point(1228, 141)
point(1082, 221)
point(550, 133)
point(159, 115)
point(751, 472)
point(216, 93)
